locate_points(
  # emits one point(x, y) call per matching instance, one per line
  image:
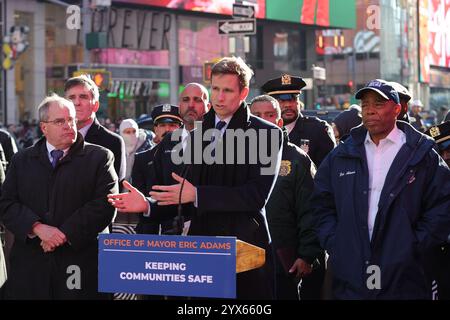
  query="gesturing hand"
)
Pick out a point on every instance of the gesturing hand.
point(169, 195)
point(132, 201)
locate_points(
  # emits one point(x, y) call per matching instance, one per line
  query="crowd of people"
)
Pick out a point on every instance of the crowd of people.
point(356, 209)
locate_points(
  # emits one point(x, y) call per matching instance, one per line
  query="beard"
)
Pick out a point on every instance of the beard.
point(190, 116)
point(289, 119)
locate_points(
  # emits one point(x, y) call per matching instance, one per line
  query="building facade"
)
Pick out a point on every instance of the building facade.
point(141, 52)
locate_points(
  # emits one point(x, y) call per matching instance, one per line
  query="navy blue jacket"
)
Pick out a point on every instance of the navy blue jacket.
point(413, 217)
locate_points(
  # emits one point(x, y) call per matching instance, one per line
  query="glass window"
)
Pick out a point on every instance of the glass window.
point(287, 50)
point(199, 41)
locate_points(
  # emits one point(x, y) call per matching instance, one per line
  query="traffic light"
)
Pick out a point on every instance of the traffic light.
point(101, 77)
point(350, 86)
point(207, 67)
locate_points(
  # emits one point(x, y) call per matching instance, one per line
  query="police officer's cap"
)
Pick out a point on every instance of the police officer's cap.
point(441, 134)
point(403, 93)
point(285, 87)
point(166, 113)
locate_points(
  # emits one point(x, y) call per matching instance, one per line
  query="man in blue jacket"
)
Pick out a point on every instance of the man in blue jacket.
point(382, 204)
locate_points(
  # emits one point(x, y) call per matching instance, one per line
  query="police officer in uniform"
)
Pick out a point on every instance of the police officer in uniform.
point(147, 172)
point(286, 89)
point(294, 241)
point(441, 259)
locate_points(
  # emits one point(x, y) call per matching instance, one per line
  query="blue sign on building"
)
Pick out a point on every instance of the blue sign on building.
point(188, 266)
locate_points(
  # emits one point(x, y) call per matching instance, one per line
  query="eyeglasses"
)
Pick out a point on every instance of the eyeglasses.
point(61, 121)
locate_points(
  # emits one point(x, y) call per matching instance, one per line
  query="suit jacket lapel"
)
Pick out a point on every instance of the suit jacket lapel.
point(93, 130)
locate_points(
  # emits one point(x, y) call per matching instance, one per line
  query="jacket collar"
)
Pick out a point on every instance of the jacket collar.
point(94, 129)
point(40, 148)
point(240, 119)
point(354, 145)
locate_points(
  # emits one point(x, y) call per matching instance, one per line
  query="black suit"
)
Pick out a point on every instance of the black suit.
point(320, 136)
point(98, 134)
point(71, 197)
point(231, 200)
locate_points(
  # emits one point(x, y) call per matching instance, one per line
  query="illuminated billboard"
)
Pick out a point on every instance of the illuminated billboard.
point(208, 6)
point(439, 33)
point(327, 13)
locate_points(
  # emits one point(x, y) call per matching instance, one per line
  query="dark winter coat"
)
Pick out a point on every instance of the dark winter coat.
point(412, 219)
point(71, 197)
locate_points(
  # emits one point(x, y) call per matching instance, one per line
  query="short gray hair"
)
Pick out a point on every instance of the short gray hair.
point(53, 98)
point(84, 81)
point(267, 98)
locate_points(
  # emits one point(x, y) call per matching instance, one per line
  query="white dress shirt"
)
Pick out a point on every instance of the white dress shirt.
point(379, 161)
point(226, 120)
point(85, 129)
point(290, 126)
point(184, 137)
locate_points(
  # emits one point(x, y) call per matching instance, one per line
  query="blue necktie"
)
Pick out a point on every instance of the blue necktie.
point(56, 155)
point(219, 126)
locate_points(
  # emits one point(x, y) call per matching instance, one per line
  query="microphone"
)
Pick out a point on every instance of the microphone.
point(178, 221)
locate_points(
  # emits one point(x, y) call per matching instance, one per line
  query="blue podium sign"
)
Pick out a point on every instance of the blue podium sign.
point(188, 266)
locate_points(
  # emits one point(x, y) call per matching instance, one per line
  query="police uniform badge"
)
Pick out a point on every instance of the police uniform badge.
point(434, 132)
point(166, 108)
point(285, 168)
point(286, 79)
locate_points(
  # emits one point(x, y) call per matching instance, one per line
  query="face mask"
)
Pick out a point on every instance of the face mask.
point(130, 141)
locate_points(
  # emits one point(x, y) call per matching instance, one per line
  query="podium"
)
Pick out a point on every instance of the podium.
point(188, 266)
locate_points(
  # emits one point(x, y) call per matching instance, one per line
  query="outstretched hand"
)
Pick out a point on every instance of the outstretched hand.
point(133, 201)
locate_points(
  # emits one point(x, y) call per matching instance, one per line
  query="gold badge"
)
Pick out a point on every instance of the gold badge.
point(285, 168)
point(285, 79)
point(434, 131)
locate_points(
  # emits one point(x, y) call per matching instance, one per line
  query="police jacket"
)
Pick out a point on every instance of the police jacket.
point(155, 167)
point(413, 217)
point(288, 211)
point(320, 136)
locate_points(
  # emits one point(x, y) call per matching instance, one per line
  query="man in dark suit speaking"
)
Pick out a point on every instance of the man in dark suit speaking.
point(229, 181)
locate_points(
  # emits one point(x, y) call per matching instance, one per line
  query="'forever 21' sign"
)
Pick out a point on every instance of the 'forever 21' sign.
point(133, 29)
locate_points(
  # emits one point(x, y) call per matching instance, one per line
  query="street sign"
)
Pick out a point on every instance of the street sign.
point(309, 84)
point(241, 11)
point(319, 73)
point(242, 26)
